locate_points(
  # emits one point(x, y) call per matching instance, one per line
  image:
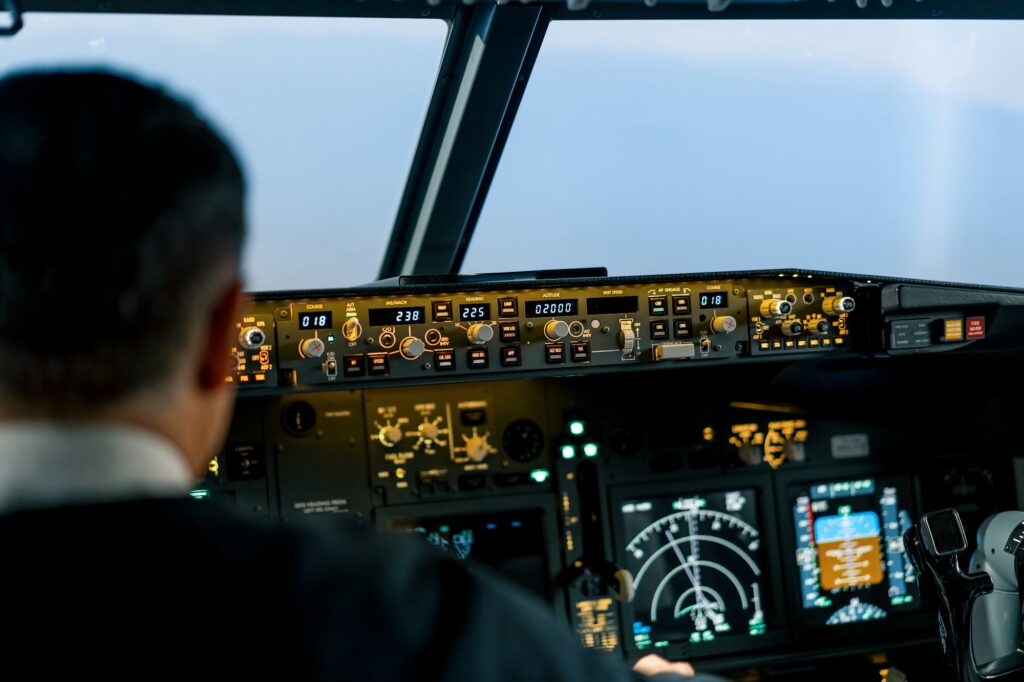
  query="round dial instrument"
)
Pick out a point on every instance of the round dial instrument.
point(523, 440)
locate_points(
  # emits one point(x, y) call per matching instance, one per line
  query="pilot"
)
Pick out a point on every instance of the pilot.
point(121, 222)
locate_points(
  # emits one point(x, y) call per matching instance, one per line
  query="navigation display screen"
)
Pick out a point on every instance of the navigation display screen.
point(849, 549)
point(512, 543)
point(697, 564)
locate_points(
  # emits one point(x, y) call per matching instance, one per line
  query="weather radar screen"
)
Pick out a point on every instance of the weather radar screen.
point(696, 565)
point(849, 550)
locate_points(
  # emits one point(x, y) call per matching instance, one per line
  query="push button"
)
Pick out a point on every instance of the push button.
point(511, 356)
point(580, 351)
point(657, 305)
point(508, 307)
point(554, 353)
point(952, 330)
point(659, 330)
point(442, 311)
point(508, 331)
point(683, 329)
point(477, 358)
point(379, 365)
point(681, 305)
point(444, 359)
point(354, 365)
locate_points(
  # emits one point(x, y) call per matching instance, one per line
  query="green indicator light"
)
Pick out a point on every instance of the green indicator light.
point(590, 449)
point(568, 452)
point(540, 475)
point(445, 529)
point(331, 338)
point(845, 510)
point(577, 428)
point(199, 494)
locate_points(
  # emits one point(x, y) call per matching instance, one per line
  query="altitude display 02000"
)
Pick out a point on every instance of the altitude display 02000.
point(696, 563)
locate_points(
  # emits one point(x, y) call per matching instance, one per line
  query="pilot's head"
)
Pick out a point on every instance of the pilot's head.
point(121, 222)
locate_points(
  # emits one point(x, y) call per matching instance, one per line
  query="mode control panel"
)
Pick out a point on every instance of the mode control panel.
point(431, 333)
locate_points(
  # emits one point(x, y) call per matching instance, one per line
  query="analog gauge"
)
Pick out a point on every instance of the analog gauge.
point(697, 568)
point(523, 440)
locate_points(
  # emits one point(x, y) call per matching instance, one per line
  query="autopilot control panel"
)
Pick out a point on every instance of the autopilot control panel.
point(716, 468)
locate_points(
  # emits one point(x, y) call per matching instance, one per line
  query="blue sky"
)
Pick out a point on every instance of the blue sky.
point(888, 148)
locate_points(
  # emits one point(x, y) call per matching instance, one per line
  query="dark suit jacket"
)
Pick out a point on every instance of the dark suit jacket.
point(175, 588)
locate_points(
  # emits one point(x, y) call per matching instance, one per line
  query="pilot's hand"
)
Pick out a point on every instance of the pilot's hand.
point(652, 664)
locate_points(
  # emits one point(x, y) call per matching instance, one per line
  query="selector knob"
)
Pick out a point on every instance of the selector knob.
point(792, 327)
point(252, 338)
point(837, 305)
point(822, 327)
point(477, 447)
point(776, 307)
point(723, 324)
point(352, 329)
point(389, 435)
point(429, 430)
point(479, 333)
point(311, 348)
point(411, 348)
point(556, 330)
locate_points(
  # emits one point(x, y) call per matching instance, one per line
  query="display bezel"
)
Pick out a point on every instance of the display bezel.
point(612, 305)
point(776, 632)
point(329, 314)
point(528, 312)
point(485, 305)
point(809, 627)
point(373, 315)
point(702, 294)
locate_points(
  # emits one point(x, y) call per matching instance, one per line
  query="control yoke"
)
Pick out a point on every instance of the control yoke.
point(935, 547)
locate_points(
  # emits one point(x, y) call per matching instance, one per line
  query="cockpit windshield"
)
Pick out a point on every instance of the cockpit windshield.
point(862, 146)
point(325, 113)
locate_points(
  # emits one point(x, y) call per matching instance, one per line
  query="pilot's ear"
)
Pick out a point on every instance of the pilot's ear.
point(218, 337)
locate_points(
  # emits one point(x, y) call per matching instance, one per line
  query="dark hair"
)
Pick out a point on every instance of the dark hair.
point(118, 206)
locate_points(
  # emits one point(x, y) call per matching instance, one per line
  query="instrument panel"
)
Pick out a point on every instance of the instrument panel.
point(653, 457)
point(413, 333)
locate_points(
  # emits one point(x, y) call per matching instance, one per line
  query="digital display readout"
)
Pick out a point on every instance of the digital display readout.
point(386, 317)
point(558, 306)
point(849, 549)
point(474, 311)
point(612, 305)
point(713, 299)
point(319, 319)
point(698, 568)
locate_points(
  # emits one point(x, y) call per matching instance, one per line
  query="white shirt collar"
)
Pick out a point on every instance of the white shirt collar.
point(44, 464)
